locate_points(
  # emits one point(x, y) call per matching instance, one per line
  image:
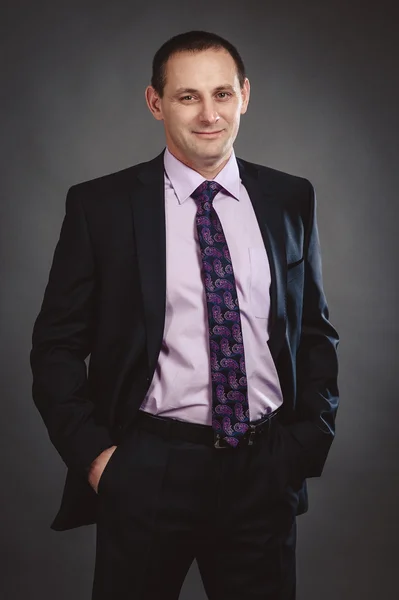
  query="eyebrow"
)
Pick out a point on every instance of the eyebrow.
point(219, 88)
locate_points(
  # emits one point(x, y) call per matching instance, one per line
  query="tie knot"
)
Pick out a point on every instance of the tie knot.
point(206, 191)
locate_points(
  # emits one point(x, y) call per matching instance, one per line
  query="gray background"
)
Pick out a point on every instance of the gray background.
point(324, 105)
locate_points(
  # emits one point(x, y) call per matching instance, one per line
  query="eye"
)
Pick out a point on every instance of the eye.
point(185, 97)
point(226, 94)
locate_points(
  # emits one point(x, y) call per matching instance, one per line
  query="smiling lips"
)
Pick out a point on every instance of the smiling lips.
point(206, 133)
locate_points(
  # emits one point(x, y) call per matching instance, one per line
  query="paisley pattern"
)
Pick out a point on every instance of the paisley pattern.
point(230, 410)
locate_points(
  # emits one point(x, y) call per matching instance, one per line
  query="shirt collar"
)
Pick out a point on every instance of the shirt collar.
point(185, 180)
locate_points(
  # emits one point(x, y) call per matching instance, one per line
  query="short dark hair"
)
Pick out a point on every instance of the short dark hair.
point(191, 41)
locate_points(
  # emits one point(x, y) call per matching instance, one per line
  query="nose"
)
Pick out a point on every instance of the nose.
point(209, 113)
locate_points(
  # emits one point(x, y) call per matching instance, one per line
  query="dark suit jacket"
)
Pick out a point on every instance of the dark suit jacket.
point(106, 298)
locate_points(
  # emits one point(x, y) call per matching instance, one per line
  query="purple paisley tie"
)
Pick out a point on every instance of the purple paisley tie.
point(230, 411)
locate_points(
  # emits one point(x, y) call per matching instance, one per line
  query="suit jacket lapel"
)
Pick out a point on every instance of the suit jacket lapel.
point(148, 206)
point(269, 214)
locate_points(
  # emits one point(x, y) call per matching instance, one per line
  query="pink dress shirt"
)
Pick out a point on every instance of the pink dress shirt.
point(181, 386)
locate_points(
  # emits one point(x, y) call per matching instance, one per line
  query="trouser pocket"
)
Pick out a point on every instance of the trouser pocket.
point(286, 453)
point(125, 445)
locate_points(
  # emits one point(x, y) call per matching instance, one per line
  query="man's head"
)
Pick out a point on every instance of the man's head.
point(199, 90)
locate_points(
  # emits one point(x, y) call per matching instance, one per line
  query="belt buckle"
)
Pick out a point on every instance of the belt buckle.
point(252, 432)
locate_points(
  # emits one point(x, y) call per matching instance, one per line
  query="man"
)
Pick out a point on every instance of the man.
point(194, 283)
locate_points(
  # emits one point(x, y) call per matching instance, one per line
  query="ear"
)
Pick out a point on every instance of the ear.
point(245, 93)
point(154, 103)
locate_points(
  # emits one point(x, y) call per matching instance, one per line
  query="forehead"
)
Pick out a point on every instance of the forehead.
point(206, 67)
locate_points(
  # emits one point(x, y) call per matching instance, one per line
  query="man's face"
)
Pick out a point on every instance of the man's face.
point(201, 106)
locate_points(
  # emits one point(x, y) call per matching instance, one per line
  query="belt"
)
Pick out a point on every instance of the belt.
point(201, 434)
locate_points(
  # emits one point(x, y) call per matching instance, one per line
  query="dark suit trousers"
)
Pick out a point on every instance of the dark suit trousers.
point(164, 502)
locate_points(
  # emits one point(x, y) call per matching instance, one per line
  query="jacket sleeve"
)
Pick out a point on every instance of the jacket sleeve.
point(317, 361)
point(62, 339)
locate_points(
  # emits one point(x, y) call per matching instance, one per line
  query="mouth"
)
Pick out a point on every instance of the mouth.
point(208, 134)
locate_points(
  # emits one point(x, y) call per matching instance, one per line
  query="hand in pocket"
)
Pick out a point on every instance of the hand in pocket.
point(292, 457)
point(98, 465)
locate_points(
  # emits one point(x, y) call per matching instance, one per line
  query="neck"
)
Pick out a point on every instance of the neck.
point(207, 171)
point(211, 172)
